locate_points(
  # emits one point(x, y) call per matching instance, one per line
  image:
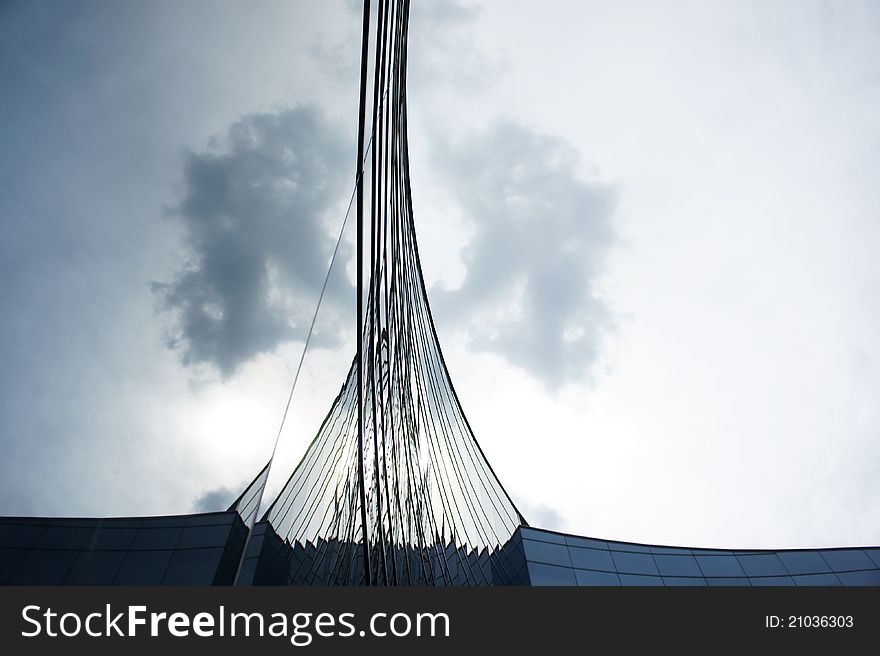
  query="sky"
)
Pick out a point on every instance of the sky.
point(649, 233)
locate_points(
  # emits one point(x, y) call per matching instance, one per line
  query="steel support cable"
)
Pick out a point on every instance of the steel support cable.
point(427, 450)
point(433, 327)
point(299, 366)
point(432, 369)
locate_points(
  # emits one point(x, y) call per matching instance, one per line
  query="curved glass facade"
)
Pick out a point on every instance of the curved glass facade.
point(559, 559)
point(175, 550)
point(205, 549)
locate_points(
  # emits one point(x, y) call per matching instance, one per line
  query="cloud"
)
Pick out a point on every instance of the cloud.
point(443, 50)
point(541, 237)
point(216, 499)
point(541, 515)
point(259, 210)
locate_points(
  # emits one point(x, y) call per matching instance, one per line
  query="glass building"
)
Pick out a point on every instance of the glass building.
point(394, 489)
point(206, 549)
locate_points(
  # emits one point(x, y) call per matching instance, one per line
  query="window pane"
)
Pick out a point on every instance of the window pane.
point(142, 568)
point(165, 522)
point(210, 519)
point(550, 575)
point(803, 562)
point(682, 581)
point(156, 538)
point(677, 565)
point(623, 546)
point(575, 541)
point(772, 581)
point(844, 560)
point(204, 536)
point(874, 555)
point(193, 567)
point(591, 559)
point(94, 568)
point(817, 579)
point(634, 563)
point(544, 552)
point(871, 577)
point(720, 566)
point(635, 579)
point(43, 568)
point(543, 536)
point(730, 581)
point(762, 565)
point(10, 559)
point(65, 537)
point(587, 577)
point(19, 535)
point(115, 538)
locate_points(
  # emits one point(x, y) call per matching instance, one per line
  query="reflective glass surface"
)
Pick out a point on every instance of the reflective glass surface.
point(541, 574)
point(719, 566)
point(592, 564)
point(591, 559)
point(677, 565)
point(803, 562)
point(847, 560)
point(634, 563)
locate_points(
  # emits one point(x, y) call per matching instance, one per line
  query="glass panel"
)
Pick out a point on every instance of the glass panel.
point(211, 519)
point(156, 538)
point(817, 579)
point(843, 560)
point(10, 559)
point(677, 565)
point(171, 521)
point(635, 579)
point(575, 541)
point(772, 581)
point(142, 568)
point(762, 565)
point(634, 563)
point(871, 577)
point(551, 575)
point(586, 577)
point(591, 559)
point(720, 566)
point(543, 536)
point(193, 567)
point(94, 568)
point(803, 562)
point(248, 567)
point(203, 536)
point(115, 538)
point(64, 537)
point(120, 522)
point(681, 581)
point(544, 552)
point(730, 581)
point(43, 568)
point(255, 546)
point(625, 546)
point(874, 555)
point(19, 535)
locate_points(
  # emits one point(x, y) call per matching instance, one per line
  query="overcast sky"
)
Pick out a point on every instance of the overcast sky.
point(649, 230)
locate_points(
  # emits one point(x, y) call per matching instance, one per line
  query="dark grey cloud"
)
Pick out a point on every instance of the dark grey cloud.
point(216, 499)
point(541, 237)
point(259, 210)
